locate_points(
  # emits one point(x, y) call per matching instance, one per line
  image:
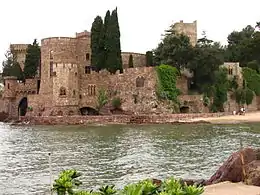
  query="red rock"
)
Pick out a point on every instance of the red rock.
point(232, 169)
point(253, 173)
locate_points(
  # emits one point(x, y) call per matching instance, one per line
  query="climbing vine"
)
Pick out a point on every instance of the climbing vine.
point(166, 86)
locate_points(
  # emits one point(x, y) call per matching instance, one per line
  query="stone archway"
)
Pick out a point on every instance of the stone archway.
point(88, 111)
point(22, 107)
point(184, 109)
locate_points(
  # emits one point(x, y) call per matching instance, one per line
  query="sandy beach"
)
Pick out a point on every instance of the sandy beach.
point(252, 117)
point(228, 188)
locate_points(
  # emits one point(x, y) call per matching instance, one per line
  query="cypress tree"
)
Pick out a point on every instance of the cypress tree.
point(106, 39)
point(97, 44)
point(114, 58)
point(149, 58)
point(130, 61)
point(32, 60)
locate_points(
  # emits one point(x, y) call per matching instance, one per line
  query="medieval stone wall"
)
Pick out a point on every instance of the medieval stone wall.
point(139, 60)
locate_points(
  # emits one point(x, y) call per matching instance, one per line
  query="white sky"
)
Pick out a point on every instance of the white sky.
point(141, 21)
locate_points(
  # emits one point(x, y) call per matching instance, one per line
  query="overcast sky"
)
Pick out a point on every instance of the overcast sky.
point(141, 21)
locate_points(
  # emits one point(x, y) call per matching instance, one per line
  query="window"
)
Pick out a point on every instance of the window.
point(140, 82)
point(87, 70)
point(230, 71)
point(91, 89)
point(62, 91)
point(51, 68)
point(51, 55)
point(74, 93)
point(87, 56)
point(8, 86)
point(80, 96)
point(76, 74)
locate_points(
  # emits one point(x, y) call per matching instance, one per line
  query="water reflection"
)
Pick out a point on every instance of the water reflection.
point(115, 154)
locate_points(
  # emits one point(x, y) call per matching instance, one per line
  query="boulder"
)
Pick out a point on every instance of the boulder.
point(232, 169)
point(253, 173)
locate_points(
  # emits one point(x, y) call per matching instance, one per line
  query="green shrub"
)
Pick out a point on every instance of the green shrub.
point(116, 103)
point(67, 183)
point(252, 80)
point(102, 99)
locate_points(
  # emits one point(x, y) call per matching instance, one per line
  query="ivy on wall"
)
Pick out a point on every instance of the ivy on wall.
point(166, 85)
point(252, 79)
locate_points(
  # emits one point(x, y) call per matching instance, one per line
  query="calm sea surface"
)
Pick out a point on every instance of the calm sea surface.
point(115, 154)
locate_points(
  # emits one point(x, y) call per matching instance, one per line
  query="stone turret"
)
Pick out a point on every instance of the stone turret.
point(10, 87)
point(19, 51)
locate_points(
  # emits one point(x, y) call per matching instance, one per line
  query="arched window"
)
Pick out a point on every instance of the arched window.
point(62, 91)
point(140, 82)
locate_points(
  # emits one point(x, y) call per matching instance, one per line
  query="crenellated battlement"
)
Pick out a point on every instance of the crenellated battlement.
point(18, 47)
point(83, 34)
point(57, 39)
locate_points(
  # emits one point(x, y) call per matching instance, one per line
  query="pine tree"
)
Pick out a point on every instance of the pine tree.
point(11, 67)
point(97, 44)
point(32, 60)
point(149, 58)
point(130, 61)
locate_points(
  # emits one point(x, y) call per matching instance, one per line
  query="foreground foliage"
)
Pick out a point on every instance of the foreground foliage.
point(68, 183)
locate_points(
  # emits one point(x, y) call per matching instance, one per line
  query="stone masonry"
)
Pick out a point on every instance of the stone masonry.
point(68, 85)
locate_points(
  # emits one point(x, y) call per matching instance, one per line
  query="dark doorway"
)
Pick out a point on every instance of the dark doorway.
point(88, 111)
point(184, 109)
point(38, 86)
point(22, 107)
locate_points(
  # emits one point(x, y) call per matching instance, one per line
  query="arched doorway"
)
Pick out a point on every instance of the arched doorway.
point(184, 109)
point(88, 111)
point(22, 107)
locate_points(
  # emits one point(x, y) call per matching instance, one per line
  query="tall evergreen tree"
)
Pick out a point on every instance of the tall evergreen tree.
point(32, 60)
point(113, 45)
point(106, 39)
point(149, 58)
point(130, 61)
point(97, 44)
point(11, 67)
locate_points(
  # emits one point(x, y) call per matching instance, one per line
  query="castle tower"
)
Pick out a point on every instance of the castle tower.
point(188, 29)
point(66, 87)
point(19, 51)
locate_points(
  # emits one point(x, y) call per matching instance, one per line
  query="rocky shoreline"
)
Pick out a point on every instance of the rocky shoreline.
point(242, 166)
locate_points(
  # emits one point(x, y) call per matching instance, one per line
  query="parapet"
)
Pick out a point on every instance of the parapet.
point(55, 39)
point(84, 34)
point(18, 47)
point(10, 78)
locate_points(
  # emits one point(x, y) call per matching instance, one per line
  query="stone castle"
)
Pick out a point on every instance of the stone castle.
point(67, 85)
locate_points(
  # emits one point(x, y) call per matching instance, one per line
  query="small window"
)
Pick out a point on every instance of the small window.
point(87, 69)
point(80, 96)
point(62, 91)
point(87, 56)
point(76, 74)
point(140, 82)
point(91, 89)
point(51, 68)
point(74, 93)
point(51, 55)
point(8, 86)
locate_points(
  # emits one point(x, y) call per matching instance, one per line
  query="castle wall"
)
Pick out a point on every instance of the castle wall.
point(139, 60)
